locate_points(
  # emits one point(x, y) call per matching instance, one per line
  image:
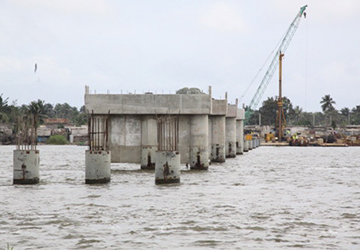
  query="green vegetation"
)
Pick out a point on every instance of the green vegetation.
point(297, 117)
point(41, 111)
point(294, 115)
point(57, 140)
point(8, 247)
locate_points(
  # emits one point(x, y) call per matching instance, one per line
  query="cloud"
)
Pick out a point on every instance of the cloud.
point(97, 7)
point(222, 17)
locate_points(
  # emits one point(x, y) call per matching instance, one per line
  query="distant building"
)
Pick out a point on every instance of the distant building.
point(57, 122)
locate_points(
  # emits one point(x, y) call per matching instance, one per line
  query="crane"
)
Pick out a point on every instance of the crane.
point(274, 63)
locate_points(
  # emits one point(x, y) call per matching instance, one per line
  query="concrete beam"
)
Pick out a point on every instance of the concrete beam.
point(219, 107)
point(148, 104)
point(232, 110)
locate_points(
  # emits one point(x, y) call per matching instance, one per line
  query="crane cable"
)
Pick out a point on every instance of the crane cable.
point(260, 70)
point(306, 60)
point(263, 65)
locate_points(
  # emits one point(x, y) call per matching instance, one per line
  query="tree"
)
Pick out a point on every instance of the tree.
point(345, 116)
point(355, 115)
point(328, 108)
point(65, 111)
point(327, 103)
point(81, 117)
point(3, 109)
point(254, 118)
point(49, 110)
point(268, 111)
point(37, 108)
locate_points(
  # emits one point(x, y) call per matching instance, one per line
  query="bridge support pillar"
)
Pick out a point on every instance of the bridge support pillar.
point(230, 146)
point(26, 166)
point(97, 166)
point(167, 167)
point(148, 142)
point(239, 137)
point(199, 157)
point(246, 145)
point(250, 144)
point(217, 138)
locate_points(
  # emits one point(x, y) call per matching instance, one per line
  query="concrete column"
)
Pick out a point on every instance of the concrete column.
point(239, 137)
point(230, 145)
point(218, 138)
point(149, 144)
point(97, 166)
point(246, 146)
point(167, 167)
point(26, 166)
point(250, 144)
point(199, 158)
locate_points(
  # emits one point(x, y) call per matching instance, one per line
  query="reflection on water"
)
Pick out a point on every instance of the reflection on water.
point(269, 198)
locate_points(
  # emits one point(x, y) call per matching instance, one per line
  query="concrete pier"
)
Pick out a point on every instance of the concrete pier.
point(217, 133)
point(199, 157)
point(149, 144)
point(250, 144)
point(239, 137)
point(230, 145)
point(98, 156)
point(167, 167)
point(246, 145)
point(255, 142)
point(97, 168)
point(240, 131)
point(207, 126)
point(26, 166)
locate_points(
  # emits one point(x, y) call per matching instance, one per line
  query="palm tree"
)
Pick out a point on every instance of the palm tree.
point(3, 108)
point(327, 103)
point(345, 112)
point(36, 109)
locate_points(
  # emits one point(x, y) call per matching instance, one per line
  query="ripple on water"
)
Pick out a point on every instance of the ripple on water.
point(260, 200)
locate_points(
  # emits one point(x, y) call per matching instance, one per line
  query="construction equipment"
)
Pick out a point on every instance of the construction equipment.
point(274, 64)
point(280, 118)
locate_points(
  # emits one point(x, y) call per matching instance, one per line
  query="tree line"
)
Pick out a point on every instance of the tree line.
point(9, 113)
point(295, 116)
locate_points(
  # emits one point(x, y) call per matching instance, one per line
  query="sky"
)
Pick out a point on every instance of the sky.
point(122, 46)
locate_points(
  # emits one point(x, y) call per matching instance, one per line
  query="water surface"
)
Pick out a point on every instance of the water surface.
point(269, 198)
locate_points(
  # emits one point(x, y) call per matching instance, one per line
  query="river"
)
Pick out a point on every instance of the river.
point(269, 198)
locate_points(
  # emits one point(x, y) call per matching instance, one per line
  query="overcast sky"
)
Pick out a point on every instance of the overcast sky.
point(161, 46)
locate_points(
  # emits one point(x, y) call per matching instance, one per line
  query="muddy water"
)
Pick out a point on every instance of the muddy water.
point(269, 198)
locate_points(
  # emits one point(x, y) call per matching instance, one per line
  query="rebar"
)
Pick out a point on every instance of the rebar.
point(98, 131)
point(168, 133)
point(26, 133)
